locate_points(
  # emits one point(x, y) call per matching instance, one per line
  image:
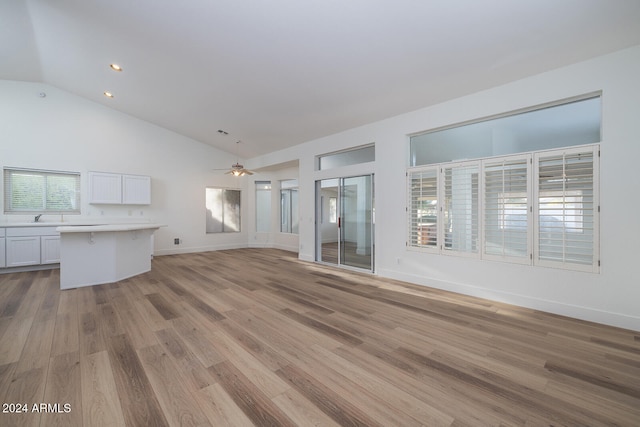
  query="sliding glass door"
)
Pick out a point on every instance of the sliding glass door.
point(344, 221)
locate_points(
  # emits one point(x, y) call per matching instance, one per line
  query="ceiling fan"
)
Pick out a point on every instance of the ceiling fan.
point(236, 169)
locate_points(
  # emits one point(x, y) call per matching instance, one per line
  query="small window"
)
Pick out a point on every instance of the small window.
point(39, 191)
point(263, 206)
point(223, 210)
point(347, 158)
point(563, 124)
point(289, 206)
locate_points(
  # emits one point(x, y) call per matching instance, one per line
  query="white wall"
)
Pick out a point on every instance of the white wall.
point(611, 297)
point(64, 132)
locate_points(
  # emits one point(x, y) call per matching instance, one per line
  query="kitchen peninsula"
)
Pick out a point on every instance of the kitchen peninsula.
point(97, 254)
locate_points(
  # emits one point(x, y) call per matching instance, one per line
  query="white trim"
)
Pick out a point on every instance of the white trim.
point(574, 311)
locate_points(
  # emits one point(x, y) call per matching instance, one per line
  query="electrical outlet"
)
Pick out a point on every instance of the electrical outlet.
point(176, 241)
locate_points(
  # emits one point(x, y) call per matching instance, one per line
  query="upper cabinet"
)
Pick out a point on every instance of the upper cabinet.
point(136, 190)
point(105, 188)
point(119, 189)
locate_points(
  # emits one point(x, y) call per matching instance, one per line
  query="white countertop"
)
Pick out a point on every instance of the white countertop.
point(107, 228)
point(39, 224)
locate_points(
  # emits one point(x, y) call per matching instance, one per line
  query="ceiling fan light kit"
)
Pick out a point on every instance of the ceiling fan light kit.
point(236, 169)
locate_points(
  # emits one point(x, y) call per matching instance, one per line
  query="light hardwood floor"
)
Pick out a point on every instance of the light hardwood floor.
point(256, 337)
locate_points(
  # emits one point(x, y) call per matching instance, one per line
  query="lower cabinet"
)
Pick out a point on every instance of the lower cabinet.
point(25, 246)
point(23, 251)
point(3, 260)
point(49, 249)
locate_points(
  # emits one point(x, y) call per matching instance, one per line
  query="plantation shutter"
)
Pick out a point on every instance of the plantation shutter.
point(37, 191)
point(506, 209)
point(567, 225)
point(461, 210)
point(423, 212)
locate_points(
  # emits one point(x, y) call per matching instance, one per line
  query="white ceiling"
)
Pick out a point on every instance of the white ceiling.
point(280, 72)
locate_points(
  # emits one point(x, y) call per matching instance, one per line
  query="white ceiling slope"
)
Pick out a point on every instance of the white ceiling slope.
point(280, 72)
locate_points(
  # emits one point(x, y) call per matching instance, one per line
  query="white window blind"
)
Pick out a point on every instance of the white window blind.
point(423, 212)
point(506, 209)
point(537, 208)
point(36, 191)
point(461, 208)
point(567, 226)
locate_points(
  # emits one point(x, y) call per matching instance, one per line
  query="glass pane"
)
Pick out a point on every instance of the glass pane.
point(289, 206)
point(231, 211)
point(506, 208)
point(285, 211)
point(214, 210)
point(566, 208)
point(223, 210)
point(461, 209)
point(61, 192)
point(424, 208)
point(27, 191)
point(574, 123)
point(346, 158)
point(294, 211)
point(263, 206)
point(356, 222)
point(327, 226)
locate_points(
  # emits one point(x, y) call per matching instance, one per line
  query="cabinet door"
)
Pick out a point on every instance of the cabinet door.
point(3, 260)
point(23, 251)
point(105, 188)
point(49, 249)
point(136, 190)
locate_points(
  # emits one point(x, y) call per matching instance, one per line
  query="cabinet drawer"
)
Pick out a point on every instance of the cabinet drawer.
point(1, 232)
point(32, 231)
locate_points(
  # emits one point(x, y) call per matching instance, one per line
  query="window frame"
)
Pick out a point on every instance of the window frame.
point(222, 209)
point(289, 207)
point(510, 159)
point(533, 215)
point(9, 180)
point(263, 187)
point(595, 210)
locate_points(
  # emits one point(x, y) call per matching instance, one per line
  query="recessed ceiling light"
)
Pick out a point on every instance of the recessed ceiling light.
point(115, 67)
point(108, 94)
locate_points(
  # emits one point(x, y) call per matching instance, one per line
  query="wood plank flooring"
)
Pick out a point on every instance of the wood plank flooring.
point(255, 337)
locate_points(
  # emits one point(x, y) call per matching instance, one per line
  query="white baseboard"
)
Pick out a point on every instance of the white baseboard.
point(578, 312)
point(189, 250)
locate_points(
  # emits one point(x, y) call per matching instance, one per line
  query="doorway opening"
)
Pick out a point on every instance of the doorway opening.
point(345, 222)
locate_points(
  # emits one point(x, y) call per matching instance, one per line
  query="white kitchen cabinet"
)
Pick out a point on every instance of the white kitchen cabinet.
point(136, 190)
point(49, 249)
point(34, 245)
point(105, 188)
point(118, 189)
point(21, 251)
point(3, 259)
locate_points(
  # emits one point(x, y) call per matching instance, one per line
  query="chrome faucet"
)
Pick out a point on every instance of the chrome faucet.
point(37, 218)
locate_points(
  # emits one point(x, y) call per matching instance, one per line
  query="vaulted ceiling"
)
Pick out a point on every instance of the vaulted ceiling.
point(281, 72)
